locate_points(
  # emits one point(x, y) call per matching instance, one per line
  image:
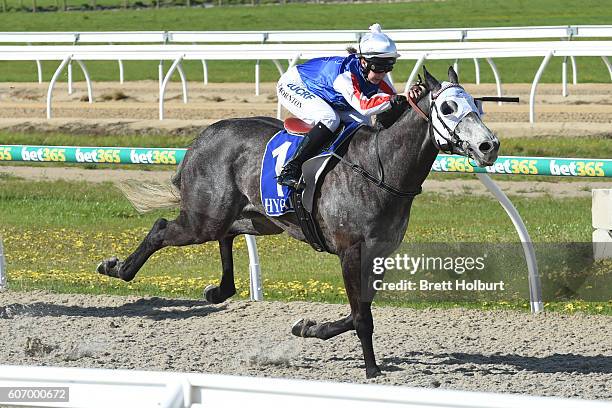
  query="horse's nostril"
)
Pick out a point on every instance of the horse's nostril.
point(485, 147)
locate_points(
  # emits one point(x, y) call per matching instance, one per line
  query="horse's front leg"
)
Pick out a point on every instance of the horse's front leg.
point(323, 331)
point(364, 325)
point(360, 308)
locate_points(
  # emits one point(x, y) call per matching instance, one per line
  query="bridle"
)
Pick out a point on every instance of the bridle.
point(453, 142)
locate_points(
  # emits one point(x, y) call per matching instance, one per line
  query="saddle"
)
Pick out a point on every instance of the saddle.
point(302, 198)
point(296, 126)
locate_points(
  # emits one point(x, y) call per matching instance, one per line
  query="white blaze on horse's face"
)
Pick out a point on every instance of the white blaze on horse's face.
point(457, 118)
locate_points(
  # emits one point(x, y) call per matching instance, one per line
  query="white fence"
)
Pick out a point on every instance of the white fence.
point(292, 52)
point(128, 388)
point(319, 36)
point(602, 224)
point(568, 32)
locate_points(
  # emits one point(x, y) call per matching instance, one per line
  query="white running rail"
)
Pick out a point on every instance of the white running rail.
point(127, 388)
point(420, 52)
point(567, 32)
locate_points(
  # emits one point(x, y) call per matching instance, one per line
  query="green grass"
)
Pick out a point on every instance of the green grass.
point(418, 14)
point(85, 206)
point(512, 70)
point(55, 233)
point(87, 5)
point(424, 14)
point(589, 147)
point(64, 139)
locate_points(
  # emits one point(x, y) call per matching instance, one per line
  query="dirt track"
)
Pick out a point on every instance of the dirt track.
point(587, 111)
point(498, 351)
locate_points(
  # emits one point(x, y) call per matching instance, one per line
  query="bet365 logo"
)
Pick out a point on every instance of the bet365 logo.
point(153, 157)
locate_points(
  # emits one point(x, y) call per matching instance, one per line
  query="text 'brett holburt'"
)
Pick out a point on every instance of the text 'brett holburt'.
point(447, 285)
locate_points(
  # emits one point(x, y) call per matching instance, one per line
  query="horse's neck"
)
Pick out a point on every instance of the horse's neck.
point(406, 149)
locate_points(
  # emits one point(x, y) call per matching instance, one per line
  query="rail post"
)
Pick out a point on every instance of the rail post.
point(3, 284)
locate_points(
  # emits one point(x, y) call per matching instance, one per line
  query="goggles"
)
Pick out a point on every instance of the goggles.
point(380, 65)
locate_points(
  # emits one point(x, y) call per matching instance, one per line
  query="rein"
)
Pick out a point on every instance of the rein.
point(448, 148)
point(451, 142)
point(378, 182)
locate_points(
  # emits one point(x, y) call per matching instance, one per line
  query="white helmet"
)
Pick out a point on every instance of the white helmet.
point(377, 44)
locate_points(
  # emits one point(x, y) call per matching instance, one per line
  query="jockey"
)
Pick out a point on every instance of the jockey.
point(327, 91)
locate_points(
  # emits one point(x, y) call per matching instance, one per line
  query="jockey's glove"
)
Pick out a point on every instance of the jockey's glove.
point(398, 100)
point(387, 118)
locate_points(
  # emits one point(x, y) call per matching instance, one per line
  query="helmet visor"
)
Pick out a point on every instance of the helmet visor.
point(380, 65)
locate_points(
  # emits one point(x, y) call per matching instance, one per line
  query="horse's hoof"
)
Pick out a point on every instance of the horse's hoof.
point(208, 293)
point(300, 327)
point(373, 372)
point(108, 266)
point(213, 294)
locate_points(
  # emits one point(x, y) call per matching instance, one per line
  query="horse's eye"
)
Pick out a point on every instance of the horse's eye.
point(448, 107)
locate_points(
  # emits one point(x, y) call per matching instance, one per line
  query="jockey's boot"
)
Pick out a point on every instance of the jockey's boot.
point(312, 143)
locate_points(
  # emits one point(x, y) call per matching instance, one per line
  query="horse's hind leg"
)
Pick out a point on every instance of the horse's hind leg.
point(164, 233)
point(227, 288)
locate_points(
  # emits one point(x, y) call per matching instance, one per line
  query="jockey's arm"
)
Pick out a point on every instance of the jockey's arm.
point(399, 104)
point(348, 86)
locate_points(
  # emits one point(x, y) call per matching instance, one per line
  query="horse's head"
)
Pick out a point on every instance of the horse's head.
point(456, 126)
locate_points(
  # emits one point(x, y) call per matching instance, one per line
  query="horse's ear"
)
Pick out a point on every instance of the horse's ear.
point(452, 75)
point(432, 83)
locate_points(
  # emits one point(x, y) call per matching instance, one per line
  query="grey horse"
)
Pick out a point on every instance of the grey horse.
point(217, 189)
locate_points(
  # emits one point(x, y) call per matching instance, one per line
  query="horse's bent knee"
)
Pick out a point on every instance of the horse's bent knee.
point(161, 223)
point(157, 233)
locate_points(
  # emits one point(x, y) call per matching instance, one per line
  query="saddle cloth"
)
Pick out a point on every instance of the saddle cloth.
point(279, 149)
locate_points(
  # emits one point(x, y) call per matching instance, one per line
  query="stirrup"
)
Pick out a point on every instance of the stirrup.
point(289, 181)
point(290, 174)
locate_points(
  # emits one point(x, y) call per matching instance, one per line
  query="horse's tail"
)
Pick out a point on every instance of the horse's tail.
point(147, 197)
point(176, 179)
